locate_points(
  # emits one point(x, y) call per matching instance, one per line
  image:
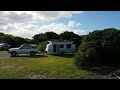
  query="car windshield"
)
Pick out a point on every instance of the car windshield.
point(22, 46)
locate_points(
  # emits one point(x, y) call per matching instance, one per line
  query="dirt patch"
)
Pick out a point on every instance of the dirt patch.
point(39, 76)
point(3, 56)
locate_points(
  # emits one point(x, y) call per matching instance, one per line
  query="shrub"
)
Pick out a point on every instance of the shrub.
point(101, 47)
point(42, 46)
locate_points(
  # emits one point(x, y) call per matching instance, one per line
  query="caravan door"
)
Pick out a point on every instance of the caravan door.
point(57, 48)
point(54, 48)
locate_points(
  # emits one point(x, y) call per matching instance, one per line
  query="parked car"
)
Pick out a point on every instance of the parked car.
point(4, 46)
point(24, 49)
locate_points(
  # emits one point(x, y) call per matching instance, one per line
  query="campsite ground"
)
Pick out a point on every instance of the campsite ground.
point(39, 67)
point(3, 52)
point(43, 67)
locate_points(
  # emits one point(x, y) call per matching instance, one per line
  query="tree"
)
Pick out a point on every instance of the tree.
point(51, 36)
point(68, 35)
point(1, 34)
point(101, 47)
point(38, 38)
point(72, 37)
point(18, 41)
point(13, 41)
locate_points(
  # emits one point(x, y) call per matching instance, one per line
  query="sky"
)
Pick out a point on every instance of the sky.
point(28, 23)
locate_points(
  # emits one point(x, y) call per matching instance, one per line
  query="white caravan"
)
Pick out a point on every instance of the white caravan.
point(57, 47)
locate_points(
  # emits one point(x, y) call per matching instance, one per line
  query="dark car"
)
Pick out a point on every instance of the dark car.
point(4, 46)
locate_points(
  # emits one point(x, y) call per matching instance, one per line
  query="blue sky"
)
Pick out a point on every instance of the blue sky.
point(97, 20)
point(28, 23)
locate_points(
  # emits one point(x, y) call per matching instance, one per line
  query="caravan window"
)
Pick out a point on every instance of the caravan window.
point(61, 46)
point(68, 45)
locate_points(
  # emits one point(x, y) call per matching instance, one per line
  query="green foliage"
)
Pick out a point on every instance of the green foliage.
point(1, 34)
point(38, 38)
point(44, 37)
point(42, 46)
point(68, 35)
point(101, 47)
point(72, 37)
point(51, 36)
point(13, 41)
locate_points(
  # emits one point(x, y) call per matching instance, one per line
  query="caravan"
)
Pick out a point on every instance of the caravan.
point(57, 47)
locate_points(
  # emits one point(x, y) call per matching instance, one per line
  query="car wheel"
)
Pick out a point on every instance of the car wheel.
point(32, 53)
point(13, 54)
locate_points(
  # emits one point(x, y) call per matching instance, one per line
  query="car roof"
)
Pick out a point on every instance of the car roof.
point(29, 45)
point(2, 43)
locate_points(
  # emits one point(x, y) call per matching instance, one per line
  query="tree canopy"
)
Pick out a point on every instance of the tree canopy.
point(72, 37)
point(45, 37)
point(100, 47)
point(13, 41)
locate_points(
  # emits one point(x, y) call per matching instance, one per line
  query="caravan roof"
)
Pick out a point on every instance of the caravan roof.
point(61, 42)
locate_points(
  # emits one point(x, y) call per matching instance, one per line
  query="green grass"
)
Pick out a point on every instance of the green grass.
point(48, 66)
point(3, 52)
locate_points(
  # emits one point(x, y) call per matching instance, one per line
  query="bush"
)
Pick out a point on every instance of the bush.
point(42, 46)
point(101, 47)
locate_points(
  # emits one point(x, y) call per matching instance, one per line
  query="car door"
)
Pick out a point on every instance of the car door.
point(22, 50)
point(28, 48)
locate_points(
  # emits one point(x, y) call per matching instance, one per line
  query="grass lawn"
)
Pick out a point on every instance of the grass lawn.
point(3, 52)
point(40, 67)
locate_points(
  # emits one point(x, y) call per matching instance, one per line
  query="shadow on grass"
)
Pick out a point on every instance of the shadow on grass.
point(28, 56)
point(64, 55)
point(102, 70)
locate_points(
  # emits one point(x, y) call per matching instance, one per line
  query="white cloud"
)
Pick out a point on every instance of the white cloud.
point(52, 15)
point(80, 32)
point(19, 23)
point(78, 24)
point(30, 16)
point(27, 31)
point(73, 24)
